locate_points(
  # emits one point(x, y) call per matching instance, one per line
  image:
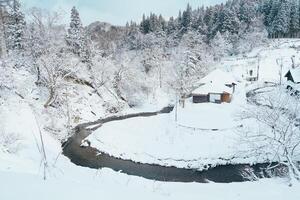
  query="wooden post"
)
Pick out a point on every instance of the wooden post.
point(280, 63)
point(258, 66)
point(176, 104)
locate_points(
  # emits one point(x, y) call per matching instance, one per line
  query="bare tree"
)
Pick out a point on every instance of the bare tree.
point(277, 115)
point(43, 34)
point(53, 73)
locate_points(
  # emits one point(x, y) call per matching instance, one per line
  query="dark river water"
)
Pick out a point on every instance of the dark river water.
point(93, 158)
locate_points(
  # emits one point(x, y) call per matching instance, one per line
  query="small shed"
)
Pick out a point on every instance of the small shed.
point(217, 87)
point(212, 92)
point(293, 78)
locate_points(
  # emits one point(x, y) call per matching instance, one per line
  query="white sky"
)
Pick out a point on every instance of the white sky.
point(117, 12)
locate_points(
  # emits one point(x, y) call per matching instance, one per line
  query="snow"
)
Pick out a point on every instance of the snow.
point(21, 174)
point(121, 187)
point(213, 88)
point(268, 58)
point(203, 134)
point(218, 76)
point(296, 74)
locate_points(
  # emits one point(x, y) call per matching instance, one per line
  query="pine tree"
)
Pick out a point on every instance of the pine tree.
point(219, 46)
point(211, 21)
point(142, 25)
point(280, 25)
point(202, 28)
point(294, 19)
point(274, 9)
point(171, 25)
point(76, 38)
point(162, 23)
point(228, 21)
point(153, 23)
point(15, 32)
point(246, 11)
point(3, 49)
point(187, 17)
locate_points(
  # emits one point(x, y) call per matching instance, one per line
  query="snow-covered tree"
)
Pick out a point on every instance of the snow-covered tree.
point(251, 36)
point(15, 31)
point(277, 131)
point(246, 11)
point(76, 37)
point(3, 49)
point(228, 21)
point(191, 60)
point(220, 46)
point(43, 34)
point(187, 17)
point(280, 25)
point(171, 25)
point(294, 19)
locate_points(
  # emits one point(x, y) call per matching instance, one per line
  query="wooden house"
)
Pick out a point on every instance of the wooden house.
point(214, 93)
point(216, 87)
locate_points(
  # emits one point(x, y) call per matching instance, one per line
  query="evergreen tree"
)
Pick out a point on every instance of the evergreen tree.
point(202, 28)
point(280, 25)
point(187, 17)
point(272, 13)
point(76, 38)
point(171, 25)
point(153, 23)
point(294, 19)
point(210, 20)
point(143, 25)
point(208, 16)
point(162, 23)
point(219, 46)
point(16, 27)
point(246, 11)
point(228, 21)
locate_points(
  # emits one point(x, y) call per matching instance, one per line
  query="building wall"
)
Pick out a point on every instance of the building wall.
point(226, 98)
point(215, 97)
point(200, 98)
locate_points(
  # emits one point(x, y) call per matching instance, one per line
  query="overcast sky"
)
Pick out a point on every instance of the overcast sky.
point(117, 12)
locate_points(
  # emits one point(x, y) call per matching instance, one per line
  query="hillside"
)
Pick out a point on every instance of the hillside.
point(205, 104)
point(204, 134)
point(22, 156)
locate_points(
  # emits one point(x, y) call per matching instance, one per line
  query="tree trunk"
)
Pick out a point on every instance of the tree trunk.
point(51, 97)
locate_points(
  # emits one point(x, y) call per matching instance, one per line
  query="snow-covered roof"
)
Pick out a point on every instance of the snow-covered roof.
point(218, 76)
point(212, 88)
point(296, 74)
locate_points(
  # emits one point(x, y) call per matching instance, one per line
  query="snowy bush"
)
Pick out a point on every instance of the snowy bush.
point(112, 108)
point(276, 134)
point(9, 142)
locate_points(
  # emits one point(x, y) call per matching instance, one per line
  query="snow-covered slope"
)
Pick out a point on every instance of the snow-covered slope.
point(23, 119)
point(21, 173)
point(204, 134)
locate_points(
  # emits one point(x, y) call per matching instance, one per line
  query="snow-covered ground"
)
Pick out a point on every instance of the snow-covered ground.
point(204, 133)
point(157, 139)
point(268, 58)
point(21, 174)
